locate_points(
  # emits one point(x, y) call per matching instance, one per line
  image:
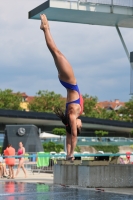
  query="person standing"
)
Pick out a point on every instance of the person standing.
point(10, 151)
point(21, 152)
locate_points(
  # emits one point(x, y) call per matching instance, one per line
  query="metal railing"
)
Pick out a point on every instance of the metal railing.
point(85, 141)
point(59, 155)
point(125, 3)
point(31, 160)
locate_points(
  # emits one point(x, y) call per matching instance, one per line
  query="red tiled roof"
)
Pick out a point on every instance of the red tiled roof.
point(29, 99)
point(24, 94)
point(111, 104)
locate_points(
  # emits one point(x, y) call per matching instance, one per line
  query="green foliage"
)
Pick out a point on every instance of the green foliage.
point(51, 146)
point(127, 111)
point(112, 149)
point(46, 101)
point(111, 114)
point(1, 149)
point(10, 100)
point(90, 106)
point(59, 131)
point(92, 110)
point(77, 149)
point(101, 133)
point(131, 132)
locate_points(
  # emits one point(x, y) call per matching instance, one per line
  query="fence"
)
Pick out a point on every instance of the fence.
point(31, 159)
point(38, 162)
point(89, 141)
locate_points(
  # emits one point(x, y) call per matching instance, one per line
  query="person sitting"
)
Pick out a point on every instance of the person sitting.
point(1, 166)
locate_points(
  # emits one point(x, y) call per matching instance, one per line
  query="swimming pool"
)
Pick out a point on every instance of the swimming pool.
point(35, 191)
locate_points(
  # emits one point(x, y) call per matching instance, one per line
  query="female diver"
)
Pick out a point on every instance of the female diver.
point(74, 103)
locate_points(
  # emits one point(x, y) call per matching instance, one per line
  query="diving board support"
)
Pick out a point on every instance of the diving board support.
point(131, 73)
point(123, 43)
point(111, 6)
point(65, 149)
point(130, 58)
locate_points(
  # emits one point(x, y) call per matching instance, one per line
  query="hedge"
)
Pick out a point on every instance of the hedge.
point(51, 146)
point(111, 149)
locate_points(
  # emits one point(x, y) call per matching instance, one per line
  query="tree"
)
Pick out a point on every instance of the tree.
point(131, 134)
point(51, 146)
point(46, 101)
point(1, 149)
point(59, 131)
point(77, 148)
point(101, 134)
point(10, 100)
point(112, 149)
point(126, 112)
point(111, 114)
point(90, 106)
point(92, 110)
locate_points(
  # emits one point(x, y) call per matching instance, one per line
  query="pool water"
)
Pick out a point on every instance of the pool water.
point(35, 191)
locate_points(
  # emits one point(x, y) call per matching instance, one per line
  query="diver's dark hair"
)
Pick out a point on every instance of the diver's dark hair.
point(61, 115)
point(65, 120)
point(9, 145)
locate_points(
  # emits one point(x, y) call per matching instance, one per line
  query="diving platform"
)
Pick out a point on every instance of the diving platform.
point(98, 175)
point(87, 12)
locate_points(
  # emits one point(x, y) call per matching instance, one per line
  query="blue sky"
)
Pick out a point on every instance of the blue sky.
point(95, 52)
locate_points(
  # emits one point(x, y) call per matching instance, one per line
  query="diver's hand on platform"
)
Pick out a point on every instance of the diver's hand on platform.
point(44, 22)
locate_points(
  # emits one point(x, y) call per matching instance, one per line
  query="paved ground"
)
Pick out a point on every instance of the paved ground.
point(48, 179)
point(36, 177)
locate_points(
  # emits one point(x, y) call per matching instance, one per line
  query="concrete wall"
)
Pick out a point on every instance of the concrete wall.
point(94, 176)
point(66, 174)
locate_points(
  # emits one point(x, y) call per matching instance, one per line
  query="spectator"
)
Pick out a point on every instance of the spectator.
point(1, 166)
point(128, 156)
point(21, 152)
point(10, 151)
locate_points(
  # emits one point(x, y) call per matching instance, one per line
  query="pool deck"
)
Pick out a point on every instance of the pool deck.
point(47, 178)
point(32, 178)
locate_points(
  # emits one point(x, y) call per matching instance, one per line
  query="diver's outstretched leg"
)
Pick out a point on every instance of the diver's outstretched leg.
point(63, 66)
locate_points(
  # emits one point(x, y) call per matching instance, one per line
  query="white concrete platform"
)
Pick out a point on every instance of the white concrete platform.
point(108, 176)
point(85, 12)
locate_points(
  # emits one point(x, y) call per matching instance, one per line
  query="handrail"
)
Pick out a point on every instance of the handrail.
point(75, 155)
point(124, 3)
